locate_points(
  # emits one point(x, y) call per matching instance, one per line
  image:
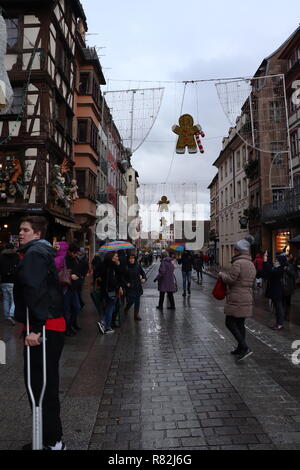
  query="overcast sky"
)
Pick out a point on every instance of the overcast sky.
point(166, 40)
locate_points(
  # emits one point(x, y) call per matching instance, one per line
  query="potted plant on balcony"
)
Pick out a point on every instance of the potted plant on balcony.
point(253, 213)
point(252, 169)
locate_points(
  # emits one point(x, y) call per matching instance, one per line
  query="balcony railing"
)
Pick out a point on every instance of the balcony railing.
point(288, 207)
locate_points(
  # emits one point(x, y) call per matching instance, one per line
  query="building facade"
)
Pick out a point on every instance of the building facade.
point(280, 208)
point(214, 217)
point(36, 136)
point(87, 148)
point(232, 196)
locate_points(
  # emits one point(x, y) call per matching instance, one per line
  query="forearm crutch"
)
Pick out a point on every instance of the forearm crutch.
point(37, 409)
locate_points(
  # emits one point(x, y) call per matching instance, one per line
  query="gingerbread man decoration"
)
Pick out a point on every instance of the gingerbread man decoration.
point(187, 132)
point(163, 204)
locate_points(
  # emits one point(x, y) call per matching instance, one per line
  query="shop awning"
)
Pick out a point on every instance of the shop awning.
point(66, 223)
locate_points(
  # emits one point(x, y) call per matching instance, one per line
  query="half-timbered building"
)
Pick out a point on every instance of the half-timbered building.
point(36, 135)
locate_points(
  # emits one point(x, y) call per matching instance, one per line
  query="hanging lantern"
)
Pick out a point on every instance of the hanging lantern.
point(6, 92)
point(187, 132)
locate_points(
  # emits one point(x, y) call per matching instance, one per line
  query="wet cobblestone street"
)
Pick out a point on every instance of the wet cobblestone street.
point(167, 382)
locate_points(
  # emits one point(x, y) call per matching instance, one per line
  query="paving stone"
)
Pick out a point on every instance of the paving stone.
point(170, 384)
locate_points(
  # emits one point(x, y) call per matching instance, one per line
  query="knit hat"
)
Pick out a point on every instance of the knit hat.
point(244, 245)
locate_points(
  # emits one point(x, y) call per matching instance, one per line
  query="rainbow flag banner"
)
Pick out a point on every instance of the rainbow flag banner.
point(177, 247)
point(115, 246)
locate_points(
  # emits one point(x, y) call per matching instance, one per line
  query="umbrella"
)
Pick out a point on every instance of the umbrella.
point(295, 240)
point(115, 246)
point(177, 247)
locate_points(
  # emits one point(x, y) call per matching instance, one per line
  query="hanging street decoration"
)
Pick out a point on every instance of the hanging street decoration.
point(63, 191)
point(6, 92)
point(13, 179)
point(187, 132)
point(200, 146)
point(163, 204)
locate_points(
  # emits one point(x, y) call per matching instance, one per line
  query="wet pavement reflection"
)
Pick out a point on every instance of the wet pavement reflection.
point(167, 382)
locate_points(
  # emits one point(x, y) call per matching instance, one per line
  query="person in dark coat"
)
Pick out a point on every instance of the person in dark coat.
point(274, 291)
point(289, 285)
point(198, 266)
point(83, 269)
point(9, 260)
point(37, 289)
point(96, 265)
point(135, 278)
point(186, 262)
point(111, 286)
point(166, 282)
point(72, 295)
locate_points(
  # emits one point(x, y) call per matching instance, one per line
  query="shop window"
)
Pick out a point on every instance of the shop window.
point(282, 241)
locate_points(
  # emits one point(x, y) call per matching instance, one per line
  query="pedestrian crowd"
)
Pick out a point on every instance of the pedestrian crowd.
point(42, 286)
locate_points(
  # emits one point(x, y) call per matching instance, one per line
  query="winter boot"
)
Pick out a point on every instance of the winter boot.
point(136, 315)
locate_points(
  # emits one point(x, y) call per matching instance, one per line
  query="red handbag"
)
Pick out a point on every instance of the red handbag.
point(219, 291)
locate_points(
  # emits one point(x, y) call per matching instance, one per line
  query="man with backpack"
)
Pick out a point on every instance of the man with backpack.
point(9, 261)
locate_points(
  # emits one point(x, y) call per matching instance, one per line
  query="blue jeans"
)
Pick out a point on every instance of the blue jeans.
point(8, 300)
point(186, 276)
point(110, 306)
point(134, 299)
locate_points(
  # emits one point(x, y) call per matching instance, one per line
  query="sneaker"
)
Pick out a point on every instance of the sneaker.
point(235, 352)
point(184, 294)
point(101, 327)
point(277, 327)
point(11, 320)
point(109, 331)
point(58, 446)
point(244, 355)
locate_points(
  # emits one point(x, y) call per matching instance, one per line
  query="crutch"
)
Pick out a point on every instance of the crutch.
point(37, 409)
